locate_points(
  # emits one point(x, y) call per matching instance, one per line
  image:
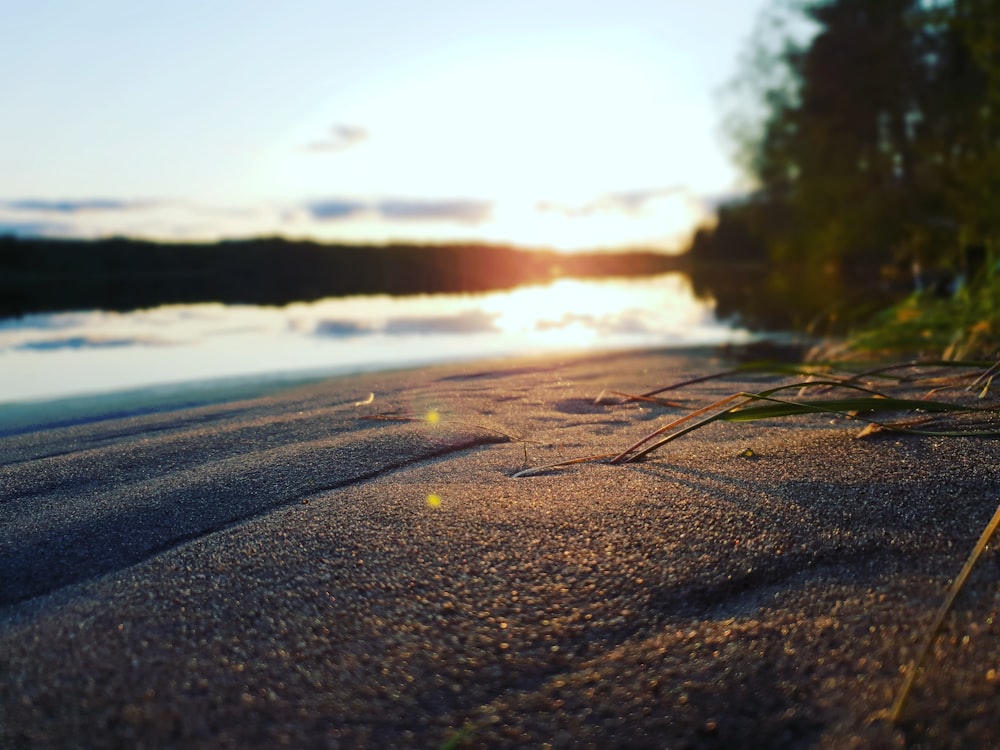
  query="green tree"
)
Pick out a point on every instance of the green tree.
point(872, 144)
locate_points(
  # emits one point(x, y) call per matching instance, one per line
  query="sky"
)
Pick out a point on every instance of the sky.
point(573, 125)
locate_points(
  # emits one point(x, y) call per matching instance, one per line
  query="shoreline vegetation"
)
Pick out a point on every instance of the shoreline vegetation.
point(871, 147)
point(39, 275)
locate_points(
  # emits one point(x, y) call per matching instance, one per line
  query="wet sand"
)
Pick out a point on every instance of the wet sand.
point(301, 570)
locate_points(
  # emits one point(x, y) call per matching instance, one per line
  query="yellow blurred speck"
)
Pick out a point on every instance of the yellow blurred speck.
point(433, 501)
point(433, 417)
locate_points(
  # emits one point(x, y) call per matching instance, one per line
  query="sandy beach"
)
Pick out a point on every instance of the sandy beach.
point(353, 564)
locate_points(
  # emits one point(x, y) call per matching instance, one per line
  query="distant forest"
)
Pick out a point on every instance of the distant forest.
point(51, 275)
point(872, 144)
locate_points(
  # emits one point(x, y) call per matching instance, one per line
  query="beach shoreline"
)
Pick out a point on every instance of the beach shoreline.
point(353, 563)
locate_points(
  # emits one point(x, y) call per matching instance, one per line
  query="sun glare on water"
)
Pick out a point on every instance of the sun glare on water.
point(171, 344)
point(572, 313)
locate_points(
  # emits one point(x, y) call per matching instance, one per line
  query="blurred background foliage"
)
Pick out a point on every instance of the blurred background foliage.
point(869, 134)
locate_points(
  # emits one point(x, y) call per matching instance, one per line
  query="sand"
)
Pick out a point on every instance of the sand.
point(299, 570)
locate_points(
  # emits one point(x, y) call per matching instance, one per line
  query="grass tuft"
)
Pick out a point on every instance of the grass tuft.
point(765, 405)
point(864, 404)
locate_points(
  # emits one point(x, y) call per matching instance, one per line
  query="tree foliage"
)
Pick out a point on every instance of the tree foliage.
point(50, 275)
point(875, 145)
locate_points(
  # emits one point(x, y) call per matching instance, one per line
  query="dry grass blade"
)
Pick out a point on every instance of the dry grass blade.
point(871, 402)
point(643, 398)
point(534, 470)
point(619, 458)
point(849, 408)
point(935, 628)
point(692, 381)
point(986, 375)
point(875, 428)
point(625, 457)
point(949, 364)
point(764, 366)
point(986, 387)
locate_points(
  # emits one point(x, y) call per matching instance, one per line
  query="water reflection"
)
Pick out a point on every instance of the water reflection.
point(47, 356)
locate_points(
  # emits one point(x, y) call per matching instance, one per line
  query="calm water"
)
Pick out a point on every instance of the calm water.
point(71, 354)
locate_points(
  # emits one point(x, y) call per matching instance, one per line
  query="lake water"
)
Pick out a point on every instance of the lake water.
point(50, 356)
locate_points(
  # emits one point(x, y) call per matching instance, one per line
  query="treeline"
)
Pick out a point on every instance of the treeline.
point(873, 144)
point(49, 275)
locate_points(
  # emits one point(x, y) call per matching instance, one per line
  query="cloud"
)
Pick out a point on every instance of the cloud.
point(470, 321)
point(73, 206)
point(565, 321)
point(631, 202)
point(41, 217)
point(79, 342)
point(634, 201)
point(467, 321)
point(50, 321)
point(341, 138)
point(463, 211)
point(335, 209)
point(341, 328)
point(624, 323)
point(349, 216)
point(34, 228)
point(401, 209)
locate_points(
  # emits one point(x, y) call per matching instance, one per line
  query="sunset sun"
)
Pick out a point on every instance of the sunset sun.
point(570, 145)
